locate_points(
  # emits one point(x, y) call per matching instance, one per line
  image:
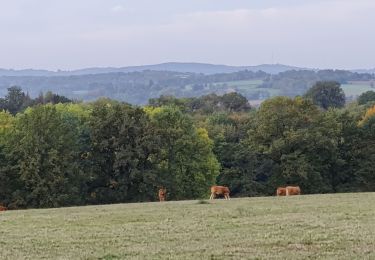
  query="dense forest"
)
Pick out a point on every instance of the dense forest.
point(55, 152)
point(138, 87)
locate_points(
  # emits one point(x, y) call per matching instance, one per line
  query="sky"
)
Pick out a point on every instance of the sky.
point(74, 34)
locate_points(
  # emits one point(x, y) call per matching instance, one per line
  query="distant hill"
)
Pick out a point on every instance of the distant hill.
point(26, 72)
point(204, 68)
point(370, 71)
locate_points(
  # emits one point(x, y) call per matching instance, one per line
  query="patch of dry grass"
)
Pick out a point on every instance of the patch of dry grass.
point(340, 226)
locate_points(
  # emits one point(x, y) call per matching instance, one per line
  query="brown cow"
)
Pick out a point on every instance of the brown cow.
point(220, 190)
point(293, 190)
point(162, 194)
point(281, 191)
point(2, 208)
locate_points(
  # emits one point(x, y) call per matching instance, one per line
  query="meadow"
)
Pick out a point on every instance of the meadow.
point(332, 226)
point(249, 88)
point(356, 89)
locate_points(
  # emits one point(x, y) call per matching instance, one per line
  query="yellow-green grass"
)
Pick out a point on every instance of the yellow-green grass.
point(340, 226)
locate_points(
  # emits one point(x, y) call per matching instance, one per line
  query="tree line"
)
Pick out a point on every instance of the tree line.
point(56, 154)
point(139, 87)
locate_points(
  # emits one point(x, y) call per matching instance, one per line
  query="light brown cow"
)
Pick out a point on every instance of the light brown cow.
point(162, 194)
point(293, 190)
point(220, 190)
point(281, 191)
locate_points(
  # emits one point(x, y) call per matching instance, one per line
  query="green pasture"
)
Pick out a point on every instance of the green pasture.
point(246, 87)
point(356, 89)
point(340, 226)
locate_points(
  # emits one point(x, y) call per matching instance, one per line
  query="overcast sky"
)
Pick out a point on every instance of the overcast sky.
point(72, 34)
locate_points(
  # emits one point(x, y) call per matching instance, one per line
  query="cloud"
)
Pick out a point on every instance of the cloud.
point(118, 8)
point(328, 33)
point(121, 9)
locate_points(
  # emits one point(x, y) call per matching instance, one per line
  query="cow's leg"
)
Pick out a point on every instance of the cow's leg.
point(228, 196)
point(286, 192)
point(212, 196)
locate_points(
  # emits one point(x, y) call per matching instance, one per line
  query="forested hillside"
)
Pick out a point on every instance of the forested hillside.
point(139, 87)
point(55, 152)
point(183, 67)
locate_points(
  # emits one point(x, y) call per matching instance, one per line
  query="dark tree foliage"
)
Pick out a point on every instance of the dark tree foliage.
point(300, 141)
point(363, 150)
point(52, 98)
point(8, 179)
point(186, 162)
point(208, 104)
point(43, 153)
point(235, 102)
point(15, 101)
point(366, 97)
point(54, 155)
point(122, 150)
point(326, 94)
point(241, 168)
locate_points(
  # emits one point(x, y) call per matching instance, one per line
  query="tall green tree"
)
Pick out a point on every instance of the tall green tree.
point(301, 143)
point(186, 161)
point(122, 151)
point(15, 101)
point(241, 168)
point(45, 157)
point(326, 94)
point(363, 148)
point(7, 179)
point(368, 96)
point(235, 102)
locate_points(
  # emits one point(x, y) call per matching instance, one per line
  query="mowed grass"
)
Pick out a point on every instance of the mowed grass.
point(340, 226)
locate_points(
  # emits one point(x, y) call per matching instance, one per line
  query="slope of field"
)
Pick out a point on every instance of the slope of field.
point(356, 89)
point(251, 89)
point(337, 226)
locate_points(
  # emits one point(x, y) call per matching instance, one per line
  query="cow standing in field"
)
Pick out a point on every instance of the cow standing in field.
point(2, 208)
point(162, 194)
point(281, 191)
point(292, 190)
point(220, 190)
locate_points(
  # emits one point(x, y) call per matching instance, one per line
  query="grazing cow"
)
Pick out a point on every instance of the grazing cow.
point(220, 190)
point(162, 194)
point(2, 208)
point(293, 190)
point(281, 191)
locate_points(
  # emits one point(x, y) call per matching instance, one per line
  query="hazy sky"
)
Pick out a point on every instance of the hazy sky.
point(71, 34)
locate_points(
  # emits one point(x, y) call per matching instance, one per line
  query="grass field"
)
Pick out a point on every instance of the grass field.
point(340, 226)
point(247, 87)
point(356, 89)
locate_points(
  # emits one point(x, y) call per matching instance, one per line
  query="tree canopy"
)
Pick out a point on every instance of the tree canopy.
point(368, 96)
point(107, 151)
point(327, 94)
